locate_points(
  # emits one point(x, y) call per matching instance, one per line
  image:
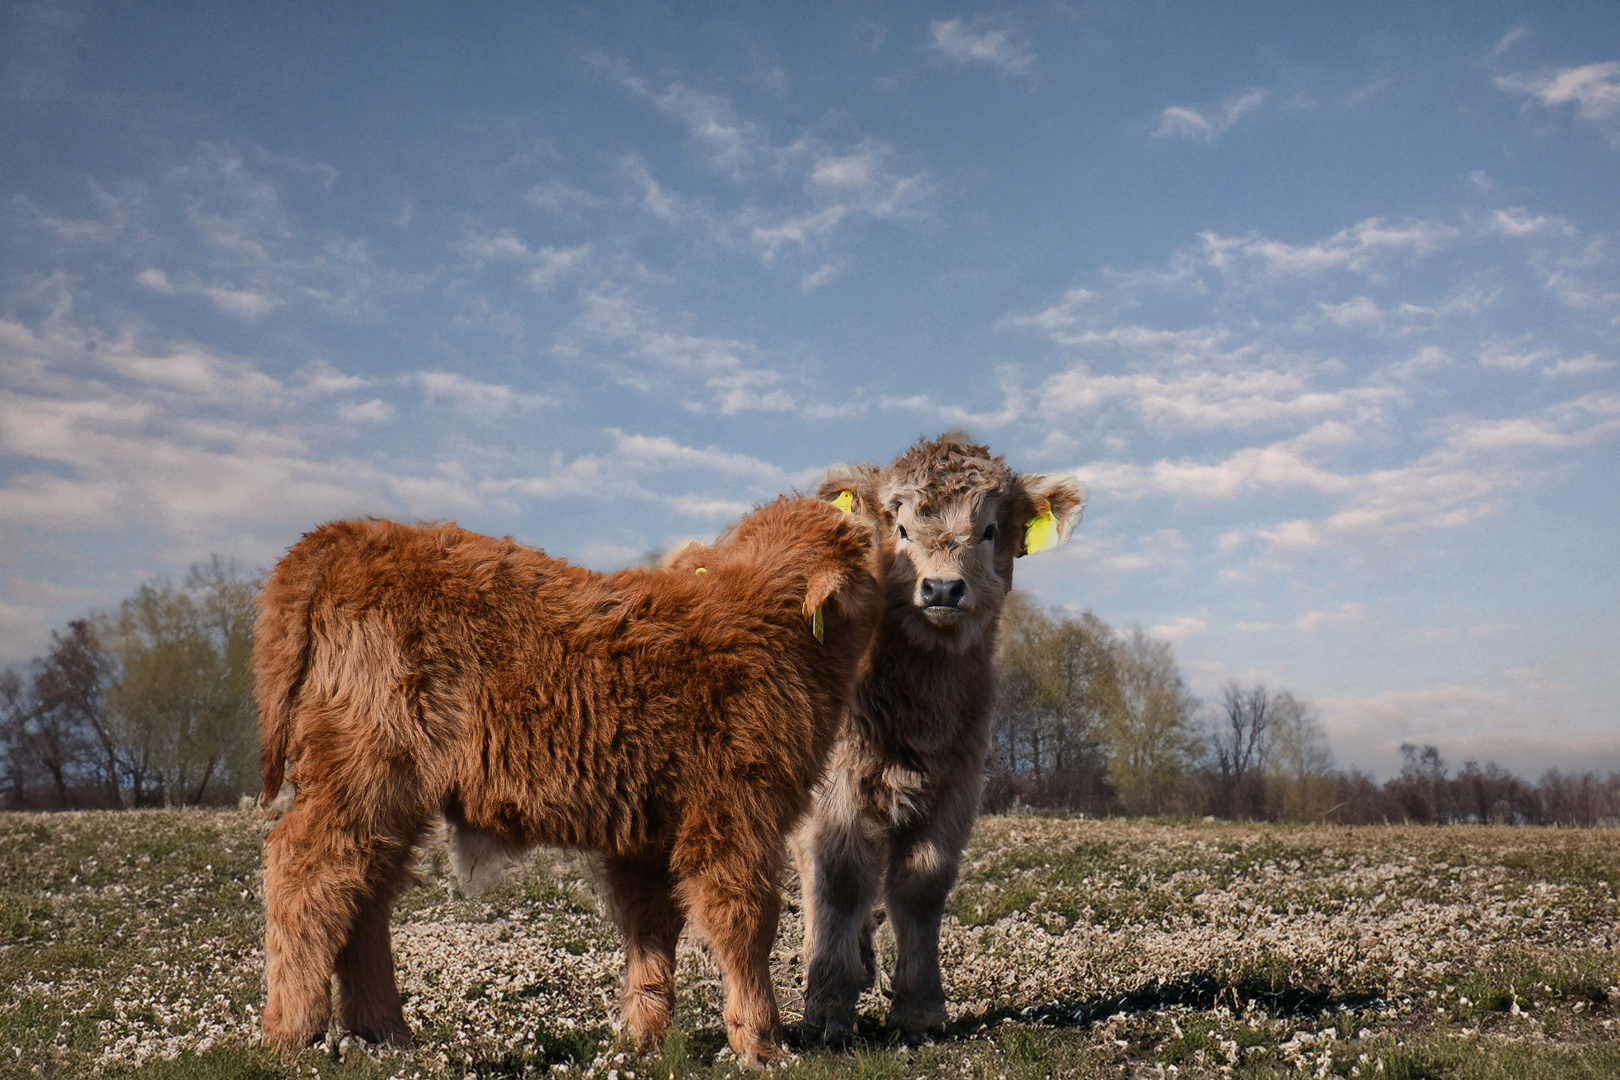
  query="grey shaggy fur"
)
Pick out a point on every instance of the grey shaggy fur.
point(902, 788)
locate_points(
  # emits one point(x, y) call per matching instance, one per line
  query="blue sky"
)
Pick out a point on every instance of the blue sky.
point(1321, 300)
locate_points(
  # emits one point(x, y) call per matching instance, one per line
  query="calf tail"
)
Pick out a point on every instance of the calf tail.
point(281, 648)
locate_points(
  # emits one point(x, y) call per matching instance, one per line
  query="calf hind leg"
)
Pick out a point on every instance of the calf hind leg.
point(368, 995)
point(645, 909)
point(313, 884)
point(736, 905)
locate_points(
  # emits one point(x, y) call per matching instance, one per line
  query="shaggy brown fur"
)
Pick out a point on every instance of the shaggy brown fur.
point(676, 722)
point(902, 789)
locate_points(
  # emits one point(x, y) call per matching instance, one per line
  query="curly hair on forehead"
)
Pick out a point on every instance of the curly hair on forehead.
point(938, 471)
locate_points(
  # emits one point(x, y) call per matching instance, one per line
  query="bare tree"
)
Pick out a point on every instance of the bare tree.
point(14, 709)
point(68, 733)
point(1240, 751)
point(1420, 792)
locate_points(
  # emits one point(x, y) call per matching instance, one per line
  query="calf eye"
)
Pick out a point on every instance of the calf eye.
point(902, 530)
point(990, 531)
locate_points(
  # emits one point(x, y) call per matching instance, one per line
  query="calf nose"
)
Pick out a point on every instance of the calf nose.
point(940, 592)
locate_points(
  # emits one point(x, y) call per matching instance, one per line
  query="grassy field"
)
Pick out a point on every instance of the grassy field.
point(130, 947)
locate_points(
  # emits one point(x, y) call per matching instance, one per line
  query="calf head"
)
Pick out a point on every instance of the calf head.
point(839, 557)
point(954, 518)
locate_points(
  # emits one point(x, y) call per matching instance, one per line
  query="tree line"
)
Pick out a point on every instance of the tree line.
point(1092, 720)
point(147, 705)
point(152, 704)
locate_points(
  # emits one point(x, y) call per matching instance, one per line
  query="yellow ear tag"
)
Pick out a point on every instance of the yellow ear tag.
point(701, 570)
point(817, 626)
point(1041, 532)
point(845, 501)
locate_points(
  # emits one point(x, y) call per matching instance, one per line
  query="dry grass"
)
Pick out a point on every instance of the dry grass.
point(130, 946)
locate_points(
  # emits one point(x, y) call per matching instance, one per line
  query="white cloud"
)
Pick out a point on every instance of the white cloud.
point(1206, 400)
point(1517, 221)
point(1352, 312)
point(475, 399)
point(214, 226)
point(1467, 477)
point(1346, 614)
point(821, 275)
point(1189, 123)
point(1509, 39)
point(1355, 248)
point(1179, 628)
point(249, 305)
point(246, 304)
point(658, 453)
point(156, 280)
point(541, 267)
point(981, 43)
point(375, 411)
point(728, 143)
point(561, 197)
point(1594, 90)
point(1589, 364)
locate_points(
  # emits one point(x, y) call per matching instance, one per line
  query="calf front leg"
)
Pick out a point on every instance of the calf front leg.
point(923, 862)
point(644, 906)
point(839, 870)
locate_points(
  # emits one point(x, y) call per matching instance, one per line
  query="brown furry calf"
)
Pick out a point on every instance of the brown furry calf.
point(673, 721)
point(902, 789)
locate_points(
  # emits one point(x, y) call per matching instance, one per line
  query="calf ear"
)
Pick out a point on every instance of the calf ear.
point(852, 488)
point(823, 583)
point(1051, 505)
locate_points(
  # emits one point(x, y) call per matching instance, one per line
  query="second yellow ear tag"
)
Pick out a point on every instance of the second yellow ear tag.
point(845, 501)
point(817, 626)
point(1041, 532)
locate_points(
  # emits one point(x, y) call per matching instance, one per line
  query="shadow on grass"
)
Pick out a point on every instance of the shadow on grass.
point(574, 1047)
point(1201, 991)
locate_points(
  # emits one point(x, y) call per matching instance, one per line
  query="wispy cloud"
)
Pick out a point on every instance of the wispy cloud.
point(484, 401)
point(1509, 39)
point(1594, 90)
point(654, 357)
point(201, 451)
point(982, 42)
point(728, 144)
point(1355, 248)
point(1206, 125)
point(1342, 342)
point(1346, 614)
point(541, 267)
point(799, 195)
point(215, 226)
